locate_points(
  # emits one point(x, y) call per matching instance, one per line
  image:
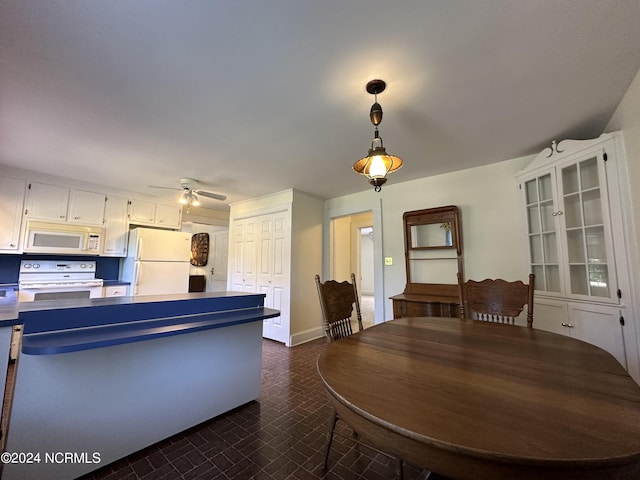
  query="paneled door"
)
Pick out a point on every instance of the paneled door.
point(271, 274)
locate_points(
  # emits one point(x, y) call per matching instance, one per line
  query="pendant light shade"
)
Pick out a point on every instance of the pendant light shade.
point(378, 163)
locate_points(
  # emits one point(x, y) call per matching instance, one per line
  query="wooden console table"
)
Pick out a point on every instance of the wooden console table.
point(409, 305)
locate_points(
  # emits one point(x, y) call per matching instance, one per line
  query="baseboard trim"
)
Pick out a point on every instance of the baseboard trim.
point(305, 336)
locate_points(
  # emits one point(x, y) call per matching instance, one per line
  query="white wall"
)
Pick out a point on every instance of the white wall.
point(492, 227)
point(627, 119)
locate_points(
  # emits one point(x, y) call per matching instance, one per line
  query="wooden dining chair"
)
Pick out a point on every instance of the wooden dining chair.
point(337, 302)
point(497, 300)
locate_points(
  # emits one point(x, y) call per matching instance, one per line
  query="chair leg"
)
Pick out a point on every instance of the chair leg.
point(332, 427)
point(399, 466)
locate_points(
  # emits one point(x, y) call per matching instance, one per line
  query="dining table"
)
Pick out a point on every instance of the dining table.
point(474, 400)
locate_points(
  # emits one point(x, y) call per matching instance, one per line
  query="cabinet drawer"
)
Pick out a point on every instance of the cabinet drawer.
point(114, 291)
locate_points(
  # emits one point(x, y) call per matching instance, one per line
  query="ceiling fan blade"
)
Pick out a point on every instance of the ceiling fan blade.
point(165, 188)
point(215, 196)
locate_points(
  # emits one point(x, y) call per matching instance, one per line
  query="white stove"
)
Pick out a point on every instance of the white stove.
point(49, 280)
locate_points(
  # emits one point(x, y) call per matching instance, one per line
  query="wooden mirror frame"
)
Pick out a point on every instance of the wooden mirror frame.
point(429, 216)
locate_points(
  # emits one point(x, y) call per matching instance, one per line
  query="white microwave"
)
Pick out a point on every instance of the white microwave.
point(41, 237)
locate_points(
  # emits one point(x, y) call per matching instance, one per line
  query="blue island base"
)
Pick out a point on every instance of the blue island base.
point(82, 410)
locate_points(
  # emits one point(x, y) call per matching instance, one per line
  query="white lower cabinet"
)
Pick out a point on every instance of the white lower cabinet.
point(598, 325)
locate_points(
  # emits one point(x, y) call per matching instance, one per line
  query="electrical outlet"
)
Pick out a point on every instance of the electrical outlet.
point(388, 260)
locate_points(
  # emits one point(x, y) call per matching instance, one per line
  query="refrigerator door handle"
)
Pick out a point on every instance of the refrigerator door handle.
point(139, 249)
point(136, 277)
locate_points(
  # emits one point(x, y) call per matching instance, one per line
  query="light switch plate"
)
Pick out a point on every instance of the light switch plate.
point(388, 260)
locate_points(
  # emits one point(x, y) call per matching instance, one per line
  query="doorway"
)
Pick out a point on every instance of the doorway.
point(351, 250)
point(215, 270)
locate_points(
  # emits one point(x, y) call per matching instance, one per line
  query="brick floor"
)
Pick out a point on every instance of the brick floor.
point(280, 436)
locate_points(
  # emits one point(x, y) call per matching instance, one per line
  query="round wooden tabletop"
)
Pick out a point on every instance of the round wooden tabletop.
point(474, 400)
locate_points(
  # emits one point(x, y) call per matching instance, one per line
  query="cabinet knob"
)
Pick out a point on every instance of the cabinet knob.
point(61, 216)
point(568, 325)
point(12, 244)
point(76, 218)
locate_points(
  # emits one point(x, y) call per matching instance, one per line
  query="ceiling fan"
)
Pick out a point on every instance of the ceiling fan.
point(191, 191)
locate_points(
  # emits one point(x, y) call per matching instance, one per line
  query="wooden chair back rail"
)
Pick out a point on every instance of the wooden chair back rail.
point(496, 300)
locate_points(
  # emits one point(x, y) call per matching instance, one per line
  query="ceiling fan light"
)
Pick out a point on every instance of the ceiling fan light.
point(194, 200)
point(184, 198)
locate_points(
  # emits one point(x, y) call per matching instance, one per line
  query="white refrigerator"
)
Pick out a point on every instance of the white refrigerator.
point(157, 262)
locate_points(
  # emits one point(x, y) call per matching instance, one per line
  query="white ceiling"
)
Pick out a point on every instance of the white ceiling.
point(254, 97)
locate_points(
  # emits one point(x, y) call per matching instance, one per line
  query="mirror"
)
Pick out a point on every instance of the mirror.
point(433, 249)
point(431, 235)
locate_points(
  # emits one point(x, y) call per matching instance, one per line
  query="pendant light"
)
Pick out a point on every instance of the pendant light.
point(378, 163)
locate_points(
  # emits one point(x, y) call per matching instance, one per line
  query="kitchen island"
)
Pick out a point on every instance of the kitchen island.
point(99, 379)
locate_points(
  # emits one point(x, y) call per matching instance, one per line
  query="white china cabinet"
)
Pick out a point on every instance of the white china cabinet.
point(575, 199)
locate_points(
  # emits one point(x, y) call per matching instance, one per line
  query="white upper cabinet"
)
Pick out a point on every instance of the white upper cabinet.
point(115, 226)
point(142, 212)
point(11, 201)
point(46, 202)
point(169, 216)
point(87, 208)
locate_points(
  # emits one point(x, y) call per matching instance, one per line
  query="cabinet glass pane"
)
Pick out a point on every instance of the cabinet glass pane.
point(535, 246)
point(570, 179)
point(578, 274)
point(592, 207)
point(550, 248)
point(575, 246)
point(552, 278)
point(599, 280)
point(572, 213)
point(596, 252)
point(589, 173)
point(538, 271)
point(534, 219)
point(546, 211)
point(545, 188)
point(531, 190)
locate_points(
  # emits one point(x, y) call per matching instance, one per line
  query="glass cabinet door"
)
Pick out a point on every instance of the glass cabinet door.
point(586, 236)
point(542, 232)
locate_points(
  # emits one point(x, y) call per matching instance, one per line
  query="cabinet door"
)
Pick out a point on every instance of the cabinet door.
point(86, 208)
point(551, 315)
point(47, 202)
point(12, 201)
point(116, 226)
point(587, 235)
point(142, 212)
point(600, 326)
point(168, 216)
point(542, 231)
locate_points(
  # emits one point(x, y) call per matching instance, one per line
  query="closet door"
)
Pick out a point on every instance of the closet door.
point(243, 274)
point(280, 287)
